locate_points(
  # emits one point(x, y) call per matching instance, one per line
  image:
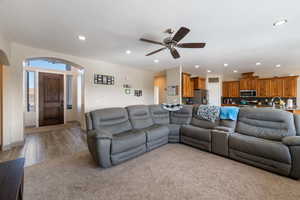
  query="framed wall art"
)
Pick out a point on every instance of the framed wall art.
point(104, 79)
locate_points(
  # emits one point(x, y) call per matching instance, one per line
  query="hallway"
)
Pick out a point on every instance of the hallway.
point(49, 143)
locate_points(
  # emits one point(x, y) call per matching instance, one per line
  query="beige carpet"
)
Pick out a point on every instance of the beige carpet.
point(172, 172)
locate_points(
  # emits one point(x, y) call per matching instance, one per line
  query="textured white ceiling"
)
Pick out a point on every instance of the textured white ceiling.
point(237, 32)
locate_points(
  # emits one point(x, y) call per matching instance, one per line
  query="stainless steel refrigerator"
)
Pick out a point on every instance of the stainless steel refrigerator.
point(200, 97)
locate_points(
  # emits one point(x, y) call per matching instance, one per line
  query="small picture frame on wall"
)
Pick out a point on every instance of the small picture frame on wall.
point(138, 93)
point(128, 91)
point(126, 86)
point(173, 90)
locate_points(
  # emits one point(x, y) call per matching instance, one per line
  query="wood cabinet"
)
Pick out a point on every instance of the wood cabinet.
point(290, 86)
point(276, 87)
point(187, 86)
point(264, 87)
point(231, 89)
point(248, 84)
point(199, 83)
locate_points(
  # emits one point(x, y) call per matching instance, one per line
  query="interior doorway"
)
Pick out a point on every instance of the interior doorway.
point(51, 99)
point(160, 84)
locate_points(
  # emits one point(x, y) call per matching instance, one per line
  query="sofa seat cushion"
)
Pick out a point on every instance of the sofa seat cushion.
point(267, 149)
point(156, 132)
point(127, 140)
point(198, 133)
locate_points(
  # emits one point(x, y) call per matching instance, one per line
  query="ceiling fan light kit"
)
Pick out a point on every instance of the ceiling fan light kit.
point(172, 42)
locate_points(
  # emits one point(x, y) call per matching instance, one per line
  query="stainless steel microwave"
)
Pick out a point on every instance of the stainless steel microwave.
point(247, 93)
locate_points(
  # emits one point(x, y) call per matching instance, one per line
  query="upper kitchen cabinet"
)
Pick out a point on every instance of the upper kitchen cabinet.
point(231, 89)
point(248, 81)
point(248, 84)
point(276, 87)
point(187, 86)
point(264, 87)
point(290, 86)
point(199, 83)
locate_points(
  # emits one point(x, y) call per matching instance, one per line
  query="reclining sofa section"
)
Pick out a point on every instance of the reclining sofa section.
point(265, 138)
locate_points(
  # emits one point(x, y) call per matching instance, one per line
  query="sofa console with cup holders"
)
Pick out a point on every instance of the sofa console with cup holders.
point(263, 137)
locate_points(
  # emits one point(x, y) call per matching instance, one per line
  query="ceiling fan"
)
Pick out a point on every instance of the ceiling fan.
point(172, 42)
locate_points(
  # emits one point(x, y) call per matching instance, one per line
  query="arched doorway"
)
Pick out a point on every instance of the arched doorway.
point(54, 90)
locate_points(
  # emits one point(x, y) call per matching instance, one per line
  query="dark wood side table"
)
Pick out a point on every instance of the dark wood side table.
point(12, 179)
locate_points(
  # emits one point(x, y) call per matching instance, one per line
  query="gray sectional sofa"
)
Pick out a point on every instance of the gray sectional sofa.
point(265, 138)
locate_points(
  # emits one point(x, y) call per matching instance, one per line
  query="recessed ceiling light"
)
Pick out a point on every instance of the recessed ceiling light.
point(208, 71)
point(156, 61)
point(128, 52)
point(280, 22)
point(81, 37)
point(197, 66)
point(225, 65)
point(258, 63)
point(235, 71)
point(278, 66)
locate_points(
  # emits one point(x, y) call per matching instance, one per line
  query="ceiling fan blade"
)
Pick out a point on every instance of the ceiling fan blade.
point(191, 45)
point(174, 53)
point(150, 41)
point(181, 33)
point(153, 52)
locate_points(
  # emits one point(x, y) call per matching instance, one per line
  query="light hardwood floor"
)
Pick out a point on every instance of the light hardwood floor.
point(48, 143)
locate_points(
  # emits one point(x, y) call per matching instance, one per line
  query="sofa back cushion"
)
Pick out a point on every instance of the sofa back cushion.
point(159, 115)
point(204, 123)
point(297, 123)
point(266, 123)
point(139, 116)
point(114, 120)
point(182, 116)
point(228, 123)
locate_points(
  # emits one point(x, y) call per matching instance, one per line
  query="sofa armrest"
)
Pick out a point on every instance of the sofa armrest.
point(291, 140)
point(100, 134)
point(224, 128)
point(99, 144)
point(219, 142)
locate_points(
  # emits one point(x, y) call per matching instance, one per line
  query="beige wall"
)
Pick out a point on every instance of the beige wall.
point(96, 96)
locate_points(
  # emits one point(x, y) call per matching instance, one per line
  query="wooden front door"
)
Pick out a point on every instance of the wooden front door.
point(51, 99)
